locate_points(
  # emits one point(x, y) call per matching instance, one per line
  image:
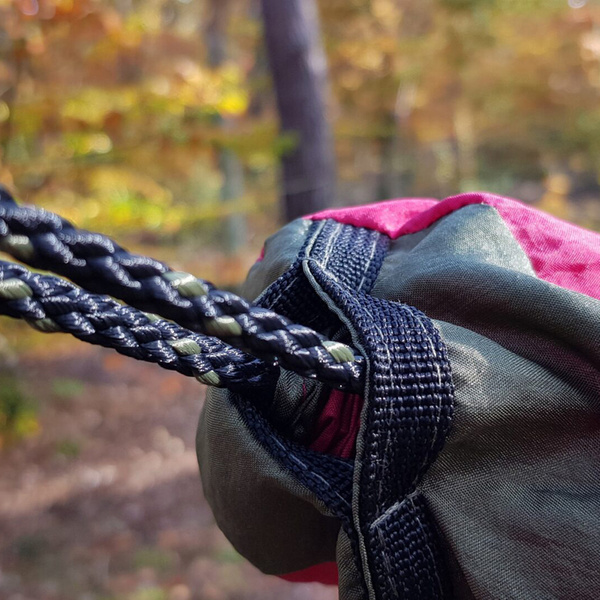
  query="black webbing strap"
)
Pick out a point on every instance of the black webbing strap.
point(352, 255)
point(407, 414)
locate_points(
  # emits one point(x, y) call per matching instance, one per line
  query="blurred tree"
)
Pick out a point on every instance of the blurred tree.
point(109, 110)
point(299, 70)
point(232, 170)
point(493, 94)
point(112, 112)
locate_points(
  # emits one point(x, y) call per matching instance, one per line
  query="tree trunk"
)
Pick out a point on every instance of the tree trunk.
point(235, 231)
point(299, 71)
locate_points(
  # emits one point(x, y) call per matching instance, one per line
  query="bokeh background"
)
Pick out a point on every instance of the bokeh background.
point(156, 121)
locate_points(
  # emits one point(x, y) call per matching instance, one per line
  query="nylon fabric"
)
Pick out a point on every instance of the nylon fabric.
point(257, 503)
point(510, 506)
point(560, 252)
point(325, 480)
point(351, 582)
point(334, 431)
point(294, 407)
point(280, 252)
point(515, 490)
point(468, 269)
point(406, 418)
point(526, 435)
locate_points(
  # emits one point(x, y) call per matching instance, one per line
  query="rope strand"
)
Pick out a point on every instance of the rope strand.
point(50, 304)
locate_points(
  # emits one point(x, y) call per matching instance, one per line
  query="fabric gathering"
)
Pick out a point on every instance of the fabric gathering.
point(476, 440)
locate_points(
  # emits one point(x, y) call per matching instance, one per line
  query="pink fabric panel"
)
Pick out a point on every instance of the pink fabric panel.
point(336, 427)
point(386, 217)
point(560, 252)
point(324, 573)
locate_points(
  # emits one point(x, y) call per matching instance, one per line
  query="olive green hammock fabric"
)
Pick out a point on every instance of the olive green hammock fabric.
point(515, 490)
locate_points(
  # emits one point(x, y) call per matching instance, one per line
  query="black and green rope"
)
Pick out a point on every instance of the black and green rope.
point(50, 304)
point(45, 241)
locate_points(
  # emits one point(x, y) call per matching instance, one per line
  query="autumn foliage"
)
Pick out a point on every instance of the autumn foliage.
point(112, 113)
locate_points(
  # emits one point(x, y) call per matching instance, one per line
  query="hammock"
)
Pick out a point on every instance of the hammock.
point(409, 407)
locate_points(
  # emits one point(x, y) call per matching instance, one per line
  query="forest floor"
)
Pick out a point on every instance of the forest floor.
point(104, 502)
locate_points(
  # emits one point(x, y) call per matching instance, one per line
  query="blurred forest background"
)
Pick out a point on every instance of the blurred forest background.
point(156, 121)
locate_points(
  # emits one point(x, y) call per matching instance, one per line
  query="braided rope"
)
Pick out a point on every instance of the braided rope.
point(46, 241)
point(50, 304)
